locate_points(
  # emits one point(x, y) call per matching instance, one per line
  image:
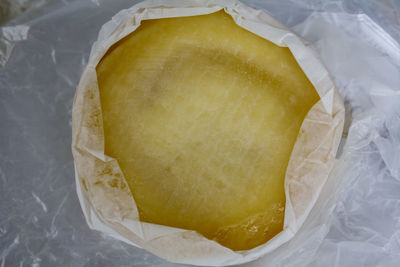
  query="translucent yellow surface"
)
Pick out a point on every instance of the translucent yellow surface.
point(202, 116)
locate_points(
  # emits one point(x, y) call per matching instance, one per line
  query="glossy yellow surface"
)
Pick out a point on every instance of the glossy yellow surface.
point(202, 116)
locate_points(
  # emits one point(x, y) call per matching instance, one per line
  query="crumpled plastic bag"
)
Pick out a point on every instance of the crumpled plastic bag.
point(41, 223)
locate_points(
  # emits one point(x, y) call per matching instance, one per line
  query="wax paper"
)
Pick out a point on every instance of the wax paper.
point(43, 54)
point(113, 210)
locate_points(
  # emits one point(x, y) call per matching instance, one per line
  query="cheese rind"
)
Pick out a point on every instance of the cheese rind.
point(202, 116)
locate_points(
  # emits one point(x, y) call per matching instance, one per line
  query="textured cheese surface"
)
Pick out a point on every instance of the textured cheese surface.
point(202, 116)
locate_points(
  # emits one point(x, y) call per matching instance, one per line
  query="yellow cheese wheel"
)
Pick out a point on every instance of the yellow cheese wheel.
point(202, 116)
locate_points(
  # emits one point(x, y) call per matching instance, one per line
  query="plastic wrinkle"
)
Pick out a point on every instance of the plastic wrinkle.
point(9, 35)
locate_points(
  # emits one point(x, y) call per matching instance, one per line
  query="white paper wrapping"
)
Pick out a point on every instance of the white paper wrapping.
point(113, 211)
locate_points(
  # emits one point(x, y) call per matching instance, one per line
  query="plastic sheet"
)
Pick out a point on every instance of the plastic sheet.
point(42, 55)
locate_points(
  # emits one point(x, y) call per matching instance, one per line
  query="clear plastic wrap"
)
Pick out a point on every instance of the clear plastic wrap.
point(42, 55)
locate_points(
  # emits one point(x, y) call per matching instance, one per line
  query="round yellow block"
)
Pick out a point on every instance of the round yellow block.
point(202, 117)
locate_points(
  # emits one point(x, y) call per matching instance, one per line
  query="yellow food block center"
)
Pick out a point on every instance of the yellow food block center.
point(202, 117)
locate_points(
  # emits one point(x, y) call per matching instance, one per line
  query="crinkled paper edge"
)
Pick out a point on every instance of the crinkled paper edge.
point(112, 210)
